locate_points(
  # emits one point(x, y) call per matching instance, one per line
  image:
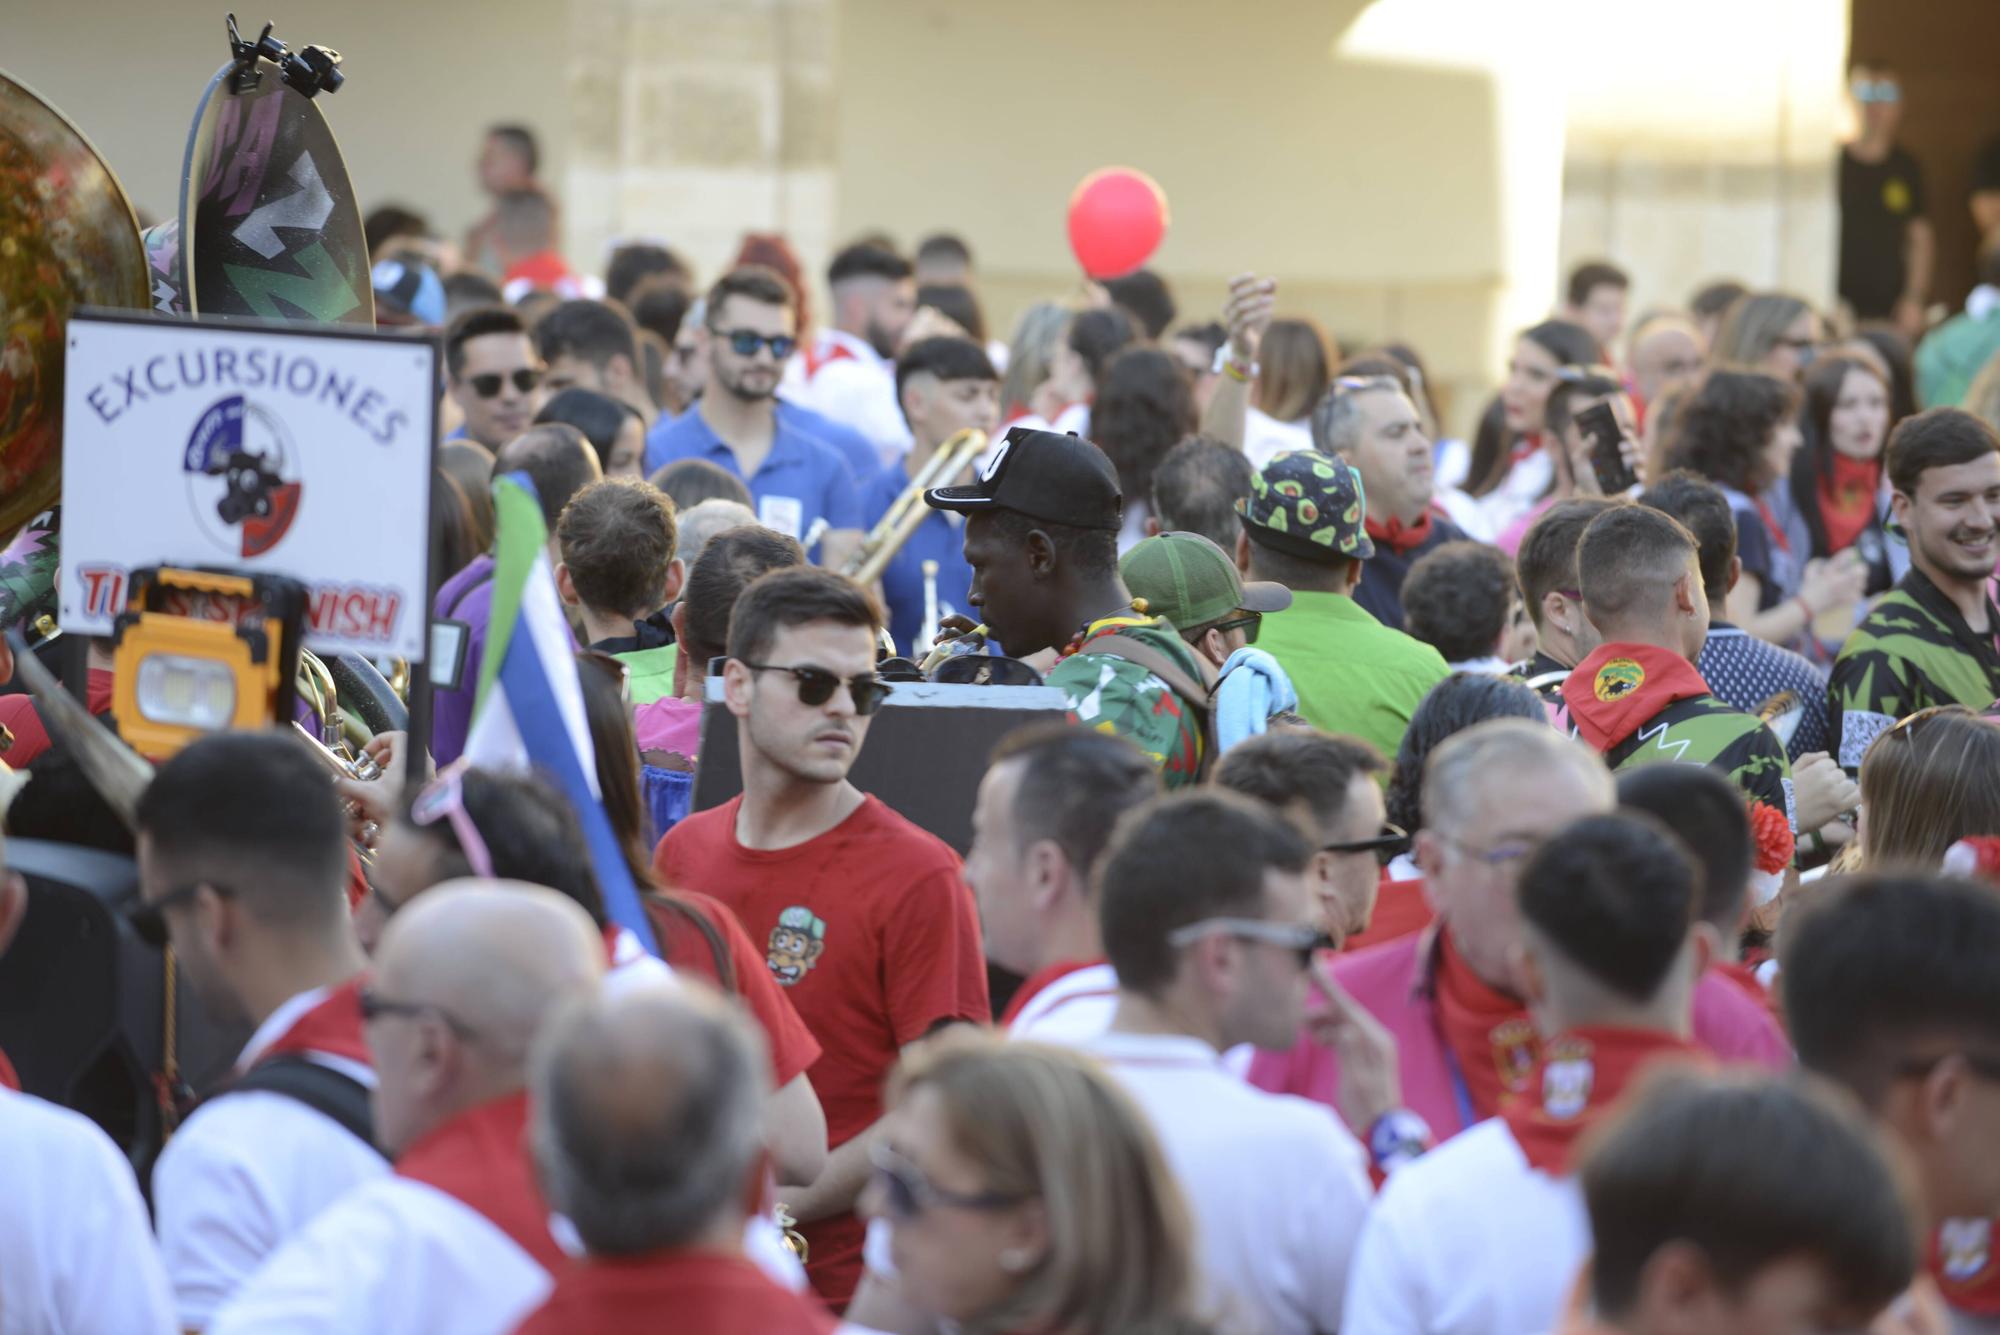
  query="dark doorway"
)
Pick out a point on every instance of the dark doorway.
point(1945, 52)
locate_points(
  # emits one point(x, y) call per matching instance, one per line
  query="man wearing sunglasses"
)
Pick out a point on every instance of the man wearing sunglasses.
point(492, 374)
point(1207, 920)
point(1891, 992)
point(243, 868)
point(1450, 995)
point(799, 484)
point(1887, 248)
point(865, 918)
point(457, 1238)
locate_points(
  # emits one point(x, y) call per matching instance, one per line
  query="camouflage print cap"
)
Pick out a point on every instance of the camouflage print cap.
point(1310, 505)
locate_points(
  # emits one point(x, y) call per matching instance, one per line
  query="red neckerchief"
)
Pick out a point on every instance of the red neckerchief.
point(480, 1158)
point(1579, 1076)
point(332, 1027)
point(1488, 1032)
point(1399, 537)
point(1847, 499)
point(1773, 527)
point(1038, 982)
point(9, 1078)
point(815, 359)
point(1960, 1257)
point(1524, 448)
point(1619, 687)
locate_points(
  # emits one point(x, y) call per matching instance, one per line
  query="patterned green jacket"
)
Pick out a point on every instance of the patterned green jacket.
point(1705, 731)
point(1912, 651)
point(1116, 695)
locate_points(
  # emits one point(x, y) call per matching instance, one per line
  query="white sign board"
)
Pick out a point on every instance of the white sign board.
point(291, 450)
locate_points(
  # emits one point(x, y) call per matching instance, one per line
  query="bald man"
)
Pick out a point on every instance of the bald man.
point(1664, 348)
point(457, 1238)
point(645, 1136)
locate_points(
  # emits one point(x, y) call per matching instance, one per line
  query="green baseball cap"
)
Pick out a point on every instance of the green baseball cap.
point(1190, 581)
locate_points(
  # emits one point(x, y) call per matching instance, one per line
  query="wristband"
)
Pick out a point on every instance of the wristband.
point(1238, 372)
point(1397, 1137)
point(1805, 607)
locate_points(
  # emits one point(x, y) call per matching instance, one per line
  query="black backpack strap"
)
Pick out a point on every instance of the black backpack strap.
point(323, 1089)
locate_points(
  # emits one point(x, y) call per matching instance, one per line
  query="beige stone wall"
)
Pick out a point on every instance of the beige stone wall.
point(695, 120)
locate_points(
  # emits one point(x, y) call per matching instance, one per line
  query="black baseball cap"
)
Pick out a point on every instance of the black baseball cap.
point(1063, 479)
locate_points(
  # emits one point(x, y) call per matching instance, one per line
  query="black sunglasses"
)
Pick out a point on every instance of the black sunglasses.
point(745, 342)
point(487, 386)
point(1250, 623)
point(908, 1193)
point(1392, 839)
point(149, 921)
point(816, 686)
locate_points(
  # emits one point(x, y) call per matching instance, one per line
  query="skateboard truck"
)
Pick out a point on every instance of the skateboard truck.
point(309, 71)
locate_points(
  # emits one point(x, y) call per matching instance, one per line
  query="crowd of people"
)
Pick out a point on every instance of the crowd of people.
point(1545, 882)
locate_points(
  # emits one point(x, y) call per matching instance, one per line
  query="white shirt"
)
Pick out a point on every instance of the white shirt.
point(1265, 437)
point(1517, 493)
point(1073, 1009)
point(1277, 1186)
point(1469, 1240)
point(858, 389)
point(246, 1172)
point(393, 1255)
point(75, 1251)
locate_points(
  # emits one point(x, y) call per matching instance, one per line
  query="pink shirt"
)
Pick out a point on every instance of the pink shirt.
point(1393, 982)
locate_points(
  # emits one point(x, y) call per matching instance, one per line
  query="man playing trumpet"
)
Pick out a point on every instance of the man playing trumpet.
point(945, 386)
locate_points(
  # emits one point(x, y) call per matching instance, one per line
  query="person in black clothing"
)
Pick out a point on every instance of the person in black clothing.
point(1886, 245)
point(1546, 564)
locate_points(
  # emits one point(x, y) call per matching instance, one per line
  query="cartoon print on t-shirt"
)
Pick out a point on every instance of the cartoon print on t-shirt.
point(796, 943)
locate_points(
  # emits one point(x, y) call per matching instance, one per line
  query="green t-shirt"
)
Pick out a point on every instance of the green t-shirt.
point(1353, 674)
point(1912, 651)
point(649, 673)
point(1116, 695)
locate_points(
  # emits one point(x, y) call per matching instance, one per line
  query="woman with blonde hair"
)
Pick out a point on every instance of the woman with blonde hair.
point(1769, 332)
point(1295, 367)
point(1927, 783)
point(1024, 1191)
point(1031, 356)
point(1982, 397)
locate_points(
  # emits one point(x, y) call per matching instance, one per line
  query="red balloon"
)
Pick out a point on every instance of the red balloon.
point(1116, 220)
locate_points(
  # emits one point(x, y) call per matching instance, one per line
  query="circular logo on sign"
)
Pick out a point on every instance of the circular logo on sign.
point(242, 476)
point(1618, 679)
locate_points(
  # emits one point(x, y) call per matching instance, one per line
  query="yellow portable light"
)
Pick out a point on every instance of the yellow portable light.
point(198, 651)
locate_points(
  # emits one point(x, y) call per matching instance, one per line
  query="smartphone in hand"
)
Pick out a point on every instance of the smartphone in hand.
point(1599, 425)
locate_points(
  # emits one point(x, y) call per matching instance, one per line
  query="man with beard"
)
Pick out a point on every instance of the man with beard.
point(1930, 640)
point(1041, 536)
point(797, 481)
point(848, 372)
point(866, 918)
point(1369, 421)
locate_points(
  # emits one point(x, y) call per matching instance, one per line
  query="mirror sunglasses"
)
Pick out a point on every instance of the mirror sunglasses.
point(488, 386)
point(744, 342)
point(816, 685)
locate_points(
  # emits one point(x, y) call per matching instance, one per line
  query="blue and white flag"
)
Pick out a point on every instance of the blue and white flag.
point(529, 710)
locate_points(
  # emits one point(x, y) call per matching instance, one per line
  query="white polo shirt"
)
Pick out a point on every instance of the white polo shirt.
point(1072, 1009)
point(1277, 1186)
point(1469, 1240)
point(75, 1251)
point(246, 1172)
point(393, 1255)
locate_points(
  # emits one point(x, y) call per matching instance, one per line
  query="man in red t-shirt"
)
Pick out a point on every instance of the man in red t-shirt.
point(865, 918)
